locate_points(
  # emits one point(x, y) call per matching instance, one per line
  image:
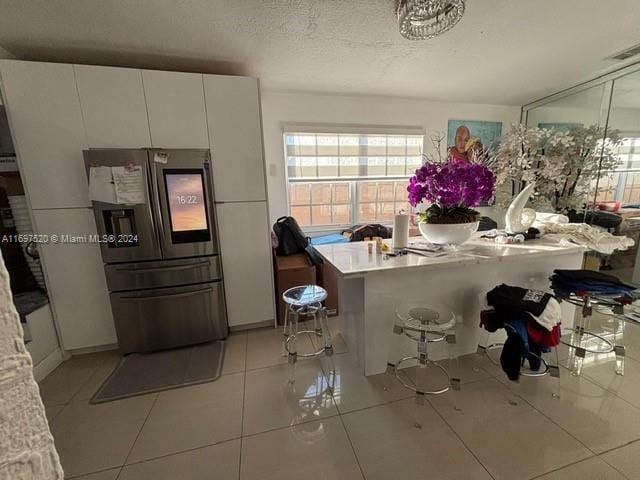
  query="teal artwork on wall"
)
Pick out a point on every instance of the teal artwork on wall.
point(488, 132)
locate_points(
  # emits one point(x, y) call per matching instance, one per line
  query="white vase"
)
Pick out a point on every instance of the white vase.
point(518, 218)
point(448, 233)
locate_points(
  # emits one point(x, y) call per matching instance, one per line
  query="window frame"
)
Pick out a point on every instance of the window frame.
point(291, 129)
point(623, 170)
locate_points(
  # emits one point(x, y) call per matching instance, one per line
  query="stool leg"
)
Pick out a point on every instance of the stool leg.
point(326, 335)
point(618, 345)
point(420, 402)
point(577, 354)
point(454, 362)
point(317, 320)
point(554, 373)
point(285, 331)
point(421, 367)
point(293, 352)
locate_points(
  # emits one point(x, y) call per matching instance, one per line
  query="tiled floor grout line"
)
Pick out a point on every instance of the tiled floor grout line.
point(619, 446)
point(244, 397)
point(138, 435)
point(492, 374)
point(151, 459)
point(557, 469)
point(596, 455)
point(459, 437)
point(344, 426)
point(355, 454)
point(95, 372)
point(93, 473)
point(593, 454)
point(614, 467)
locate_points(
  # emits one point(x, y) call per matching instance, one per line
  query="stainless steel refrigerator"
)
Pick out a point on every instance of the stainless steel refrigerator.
point(159, 246)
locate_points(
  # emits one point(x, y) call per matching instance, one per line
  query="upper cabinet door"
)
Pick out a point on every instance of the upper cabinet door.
point(46, 122)
point(235, 133)
point(175, 102)
point(113, 106)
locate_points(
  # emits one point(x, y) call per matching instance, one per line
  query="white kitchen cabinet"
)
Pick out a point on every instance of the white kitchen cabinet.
point(113, 106)
point(175, 103)
point(245, 245)
point(235, 133)
point(76, 281)
point(46, 122)
point(44, 340)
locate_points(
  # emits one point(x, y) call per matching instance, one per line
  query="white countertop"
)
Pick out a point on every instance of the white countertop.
point(352, 259)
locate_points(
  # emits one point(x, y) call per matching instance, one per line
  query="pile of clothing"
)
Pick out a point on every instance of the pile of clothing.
point(589, 282)
point(531, 319)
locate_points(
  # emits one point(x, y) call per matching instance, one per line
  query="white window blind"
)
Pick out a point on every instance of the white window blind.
point(337, 179)
point(624, 182)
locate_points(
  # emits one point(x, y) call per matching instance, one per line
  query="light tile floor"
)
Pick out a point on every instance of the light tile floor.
point(251, 424)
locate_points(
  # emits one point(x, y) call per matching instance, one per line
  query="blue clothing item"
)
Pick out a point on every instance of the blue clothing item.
point(519, 327)
point(328, 239)
point(564, 288)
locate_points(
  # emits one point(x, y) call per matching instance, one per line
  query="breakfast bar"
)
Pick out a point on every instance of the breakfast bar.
point(373, 286)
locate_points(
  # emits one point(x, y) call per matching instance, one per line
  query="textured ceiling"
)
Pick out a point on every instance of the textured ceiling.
point(503, 51)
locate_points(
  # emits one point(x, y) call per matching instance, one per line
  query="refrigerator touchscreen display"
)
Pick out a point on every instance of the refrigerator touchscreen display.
point(187, 205)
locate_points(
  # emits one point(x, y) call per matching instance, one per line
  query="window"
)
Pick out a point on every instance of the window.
point(339, 179)
point(624, 183)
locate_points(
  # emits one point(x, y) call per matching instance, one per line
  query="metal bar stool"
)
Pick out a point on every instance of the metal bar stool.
point(305, 301)
point(424, 326)
point(581, 336)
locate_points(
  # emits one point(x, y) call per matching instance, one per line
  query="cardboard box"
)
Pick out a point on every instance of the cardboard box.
point(292, 271)
point(328, 279)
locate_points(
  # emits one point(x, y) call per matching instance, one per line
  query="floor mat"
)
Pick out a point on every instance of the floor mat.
point(140, 373)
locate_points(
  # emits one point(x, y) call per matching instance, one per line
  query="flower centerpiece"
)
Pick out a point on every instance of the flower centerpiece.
point(563, 165)
point(452, 189)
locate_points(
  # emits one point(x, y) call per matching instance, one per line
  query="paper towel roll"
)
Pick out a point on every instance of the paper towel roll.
point(400, 231)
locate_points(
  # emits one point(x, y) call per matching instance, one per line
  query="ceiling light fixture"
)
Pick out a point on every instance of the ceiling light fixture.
point(422, 19)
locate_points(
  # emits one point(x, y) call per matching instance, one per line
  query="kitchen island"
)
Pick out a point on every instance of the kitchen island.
point(373, 286)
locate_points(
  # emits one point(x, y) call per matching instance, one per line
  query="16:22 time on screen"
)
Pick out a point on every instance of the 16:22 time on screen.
point(186, 199)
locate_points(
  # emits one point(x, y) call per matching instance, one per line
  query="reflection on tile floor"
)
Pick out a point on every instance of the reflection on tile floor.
point(335, 423)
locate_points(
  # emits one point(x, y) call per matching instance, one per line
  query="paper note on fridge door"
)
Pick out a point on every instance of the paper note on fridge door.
point(129, 183)
point(101, 187)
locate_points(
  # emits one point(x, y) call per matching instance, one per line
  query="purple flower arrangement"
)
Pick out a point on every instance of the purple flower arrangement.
point(451, 188)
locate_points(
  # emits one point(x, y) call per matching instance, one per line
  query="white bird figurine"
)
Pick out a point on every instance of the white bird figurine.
point(518, 218)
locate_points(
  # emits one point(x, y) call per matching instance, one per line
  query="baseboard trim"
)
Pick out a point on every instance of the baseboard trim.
point(47, 365)
point(251, 326)
point(96, 349)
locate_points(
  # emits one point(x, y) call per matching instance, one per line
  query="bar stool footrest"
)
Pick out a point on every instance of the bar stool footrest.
point(395, 369)
point(579, 348)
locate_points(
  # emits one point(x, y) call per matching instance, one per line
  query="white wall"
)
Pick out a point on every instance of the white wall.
point(279, 108)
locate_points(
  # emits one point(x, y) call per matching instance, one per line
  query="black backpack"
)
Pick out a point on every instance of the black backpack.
point(358, 233)
point(291, 240)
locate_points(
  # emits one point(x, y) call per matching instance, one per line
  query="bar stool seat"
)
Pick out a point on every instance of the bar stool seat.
point(306, 301)
point(304, 295)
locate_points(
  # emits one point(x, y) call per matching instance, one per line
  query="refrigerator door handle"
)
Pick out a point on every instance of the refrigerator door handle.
point(156, 240)
point(156, 200)
point(188, 266)
point(170, 295)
